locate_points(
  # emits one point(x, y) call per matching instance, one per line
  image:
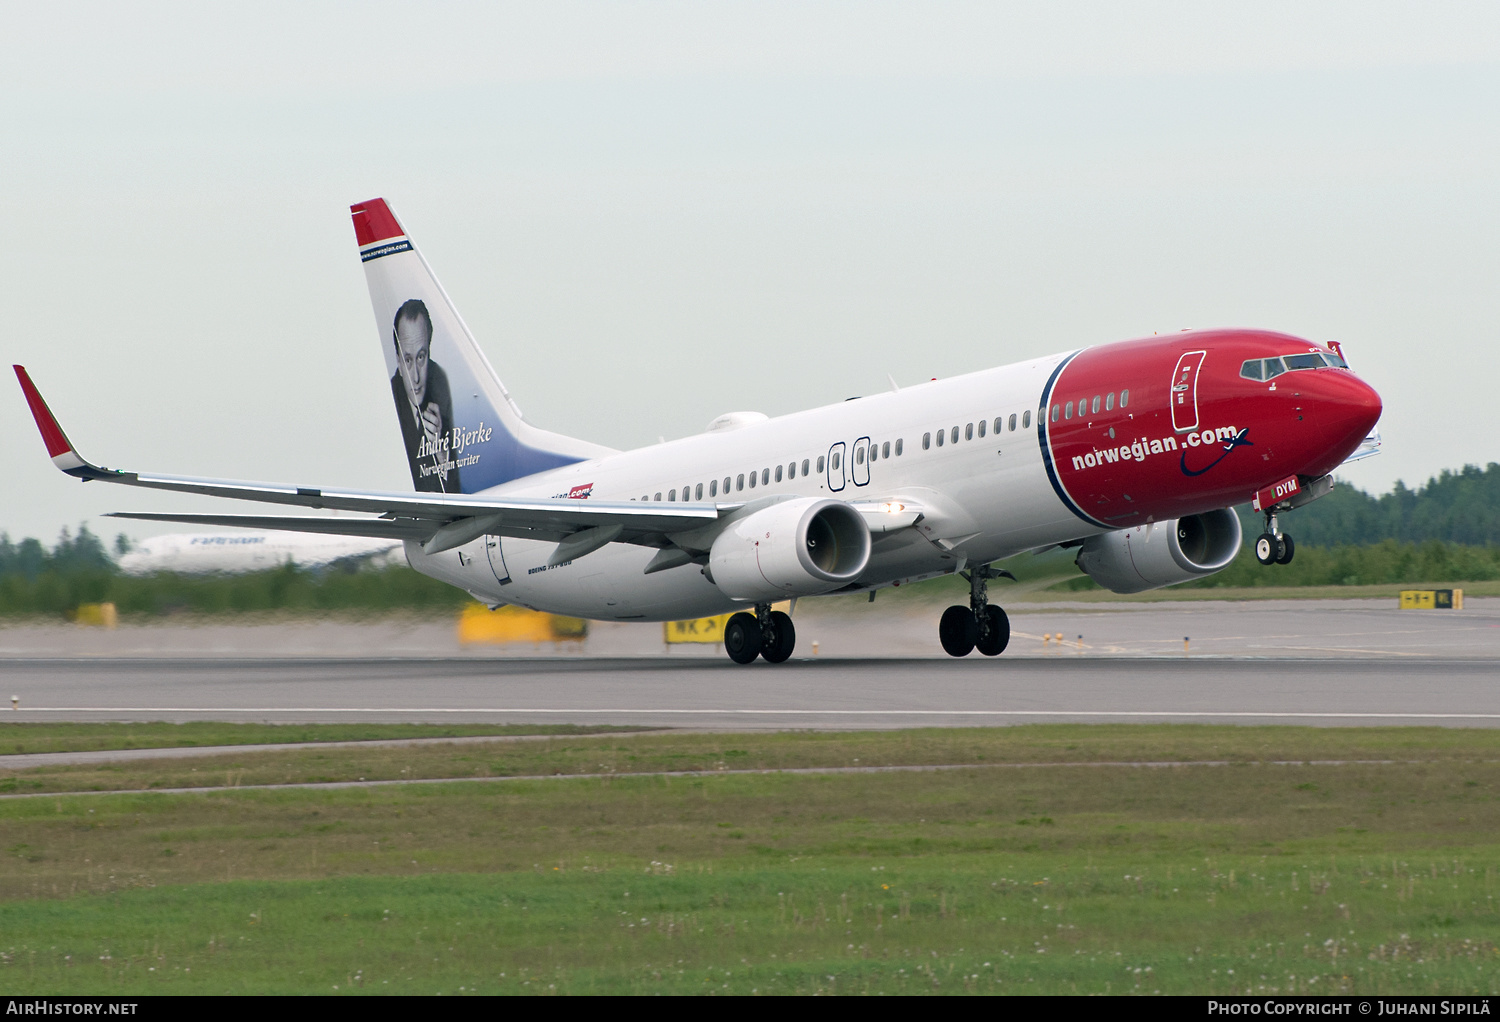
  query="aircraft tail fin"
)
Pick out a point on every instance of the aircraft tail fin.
point(461, 430)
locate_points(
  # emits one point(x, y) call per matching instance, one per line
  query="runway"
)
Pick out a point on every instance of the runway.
point(1319, 662)
point(824, 694)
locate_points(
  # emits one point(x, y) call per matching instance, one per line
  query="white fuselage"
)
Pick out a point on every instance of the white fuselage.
point(982, 498)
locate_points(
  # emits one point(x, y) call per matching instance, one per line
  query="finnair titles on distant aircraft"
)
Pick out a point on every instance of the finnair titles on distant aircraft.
point(231, 552)
point(1132, 453)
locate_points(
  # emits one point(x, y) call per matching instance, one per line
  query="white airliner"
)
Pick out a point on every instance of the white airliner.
point(192, 553)
point(1130, 452)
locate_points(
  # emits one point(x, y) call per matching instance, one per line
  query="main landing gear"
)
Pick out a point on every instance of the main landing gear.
point(1274, 546)
point(979, 625)
point(766, 633)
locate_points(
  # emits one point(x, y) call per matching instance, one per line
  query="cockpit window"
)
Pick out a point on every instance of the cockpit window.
point(1251, 370)
point(1311, 360)
point(1336, 362)
point(1274, 368)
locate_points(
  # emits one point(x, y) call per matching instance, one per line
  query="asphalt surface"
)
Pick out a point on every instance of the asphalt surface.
point(1323, 662)
point(844, 693)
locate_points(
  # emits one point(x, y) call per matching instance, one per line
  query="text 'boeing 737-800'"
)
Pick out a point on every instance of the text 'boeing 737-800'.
point(1131, 452)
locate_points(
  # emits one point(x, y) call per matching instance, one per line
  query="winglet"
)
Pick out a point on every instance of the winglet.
point(59, 448)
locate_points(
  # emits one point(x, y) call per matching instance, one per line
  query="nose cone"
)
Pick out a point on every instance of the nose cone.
point(1348, 409)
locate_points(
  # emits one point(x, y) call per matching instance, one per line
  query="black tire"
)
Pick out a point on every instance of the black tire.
point(1267, 548)
point(957, 631)
point(742, 638)
point(1288, 548)
point(994, 642)
point(779, 640)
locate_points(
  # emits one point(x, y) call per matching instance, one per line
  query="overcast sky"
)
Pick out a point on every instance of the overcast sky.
point(650, 214)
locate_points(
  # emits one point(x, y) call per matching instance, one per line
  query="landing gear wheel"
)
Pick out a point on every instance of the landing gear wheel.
point(742, 638)
point(1288, 548)
point(994, 641)
point(1267, 548)
point(778, 641)
point(958, 630)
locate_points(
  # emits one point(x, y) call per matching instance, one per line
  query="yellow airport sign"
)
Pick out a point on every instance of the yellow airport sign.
point(706, 629)
point(703, 629)
point(1432, 599)
point(480, 625)
point(100, 615)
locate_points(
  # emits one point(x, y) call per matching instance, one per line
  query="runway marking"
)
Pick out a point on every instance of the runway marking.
point(685, 774)
point(1230, 714)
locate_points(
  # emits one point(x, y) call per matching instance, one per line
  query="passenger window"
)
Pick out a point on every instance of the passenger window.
point(698, 491)
point(1068, 410)
point(657, 497)
point(859, 455)
point(838, 459)
point(1026, 419)
point(672, 496)
point(1124, 398)
point(875, 453)
point(752, 480)
point(765, 477)
point(982, 427)
point(899, 443)
point(713, 487)
point(1094, 406)
point(791, 471)
point(941, 435)
point(954, 438)
point(1056, 411)
point(1109, 401)
point(926, 441)
point(1000, 424)
point(1013, 422)
point(1251, 369)
point(969, 431)
point(726, 484)
point(778, 473)
point(804, 466)
point(739, 481)
point(885, 449)
point(820, 464)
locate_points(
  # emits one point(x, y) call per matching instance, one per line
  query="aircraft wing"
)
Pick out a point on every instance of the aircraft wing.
point(441, 521)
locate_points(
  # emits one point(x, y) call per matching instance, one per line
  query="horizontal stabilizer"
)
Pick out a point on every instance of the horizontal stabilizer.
point(366, 528)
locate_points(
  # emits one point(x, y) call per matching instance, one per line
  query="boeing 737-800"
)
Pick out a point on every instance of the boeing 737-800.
point(1131, 452)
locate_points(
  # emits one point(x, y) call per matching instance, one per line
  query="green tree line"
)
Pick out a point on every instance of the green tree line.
point(1453, 507)
point(35, 580)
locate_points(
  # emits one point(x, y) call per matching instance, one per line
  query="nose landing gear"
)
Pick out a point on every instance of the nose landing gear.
point(979, 625)
point(1274, 546)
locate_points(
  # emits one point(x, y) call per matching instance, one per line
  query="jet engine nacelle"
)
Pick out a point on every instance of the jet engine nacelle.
point(1162, 553)
point(794, 548)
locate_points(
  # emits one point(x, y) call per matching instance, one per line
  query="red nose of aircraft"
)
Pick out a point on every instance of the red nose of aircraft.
point(1347, 410)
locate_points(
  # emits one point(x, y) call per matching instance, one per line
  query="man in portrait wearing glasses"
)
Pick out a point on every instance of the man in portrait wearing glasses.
point(423, 402)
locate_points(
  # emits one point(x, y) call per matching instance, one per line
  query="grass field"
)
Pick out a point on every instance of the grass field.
point(1364, 877)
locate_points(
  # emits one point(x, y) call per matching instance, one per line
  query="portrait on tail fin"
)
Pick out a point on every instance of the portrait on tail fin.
point(424, 403)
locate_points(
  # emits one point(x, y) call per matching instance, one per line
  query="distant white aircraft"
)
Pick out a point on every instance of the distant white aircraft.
point(1132, 453)
point(197, 553)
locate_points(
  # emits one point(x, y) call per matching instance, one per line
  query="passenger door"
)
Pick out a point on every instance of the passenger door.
point(1184, 395)
point(836, 467)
